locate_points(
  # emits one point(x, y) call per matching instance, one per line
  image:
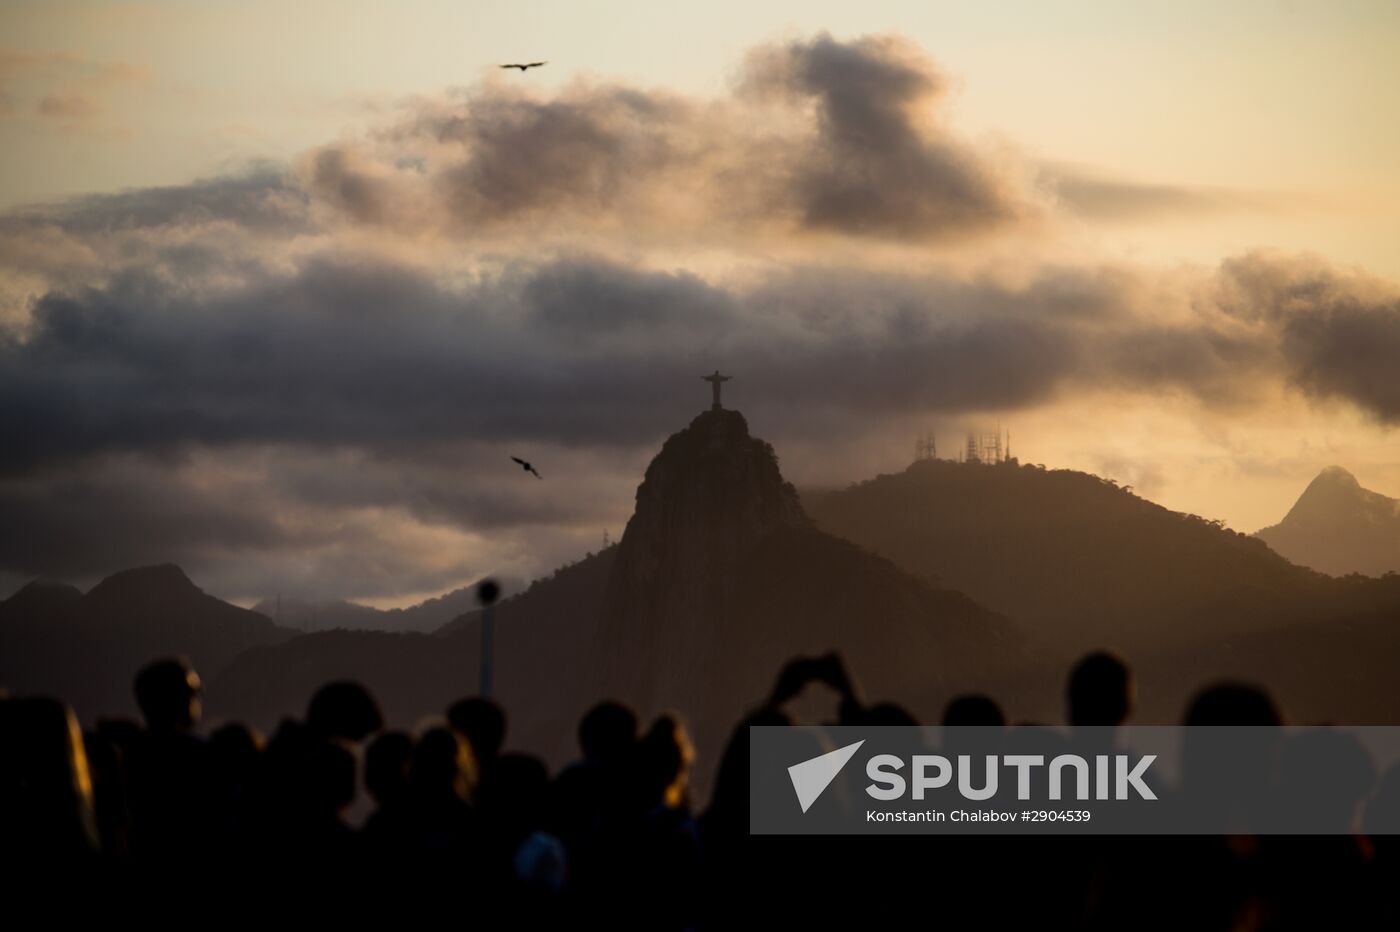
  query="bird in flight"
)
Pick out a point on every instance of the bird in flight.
point(523, 67)
point(527, 467)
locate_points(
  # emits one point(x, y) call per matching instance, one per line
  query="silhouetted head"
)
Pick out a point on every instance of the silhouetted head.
point(607, 732)
point(1100, 691)
point(344, 710)
point(1227, 773)
point(974, 710)
point(1232, 704)
point(888, 713)
point(168, 693)
point(386, 765)
point(443, 765)
point(664, 758)
point(482, 722)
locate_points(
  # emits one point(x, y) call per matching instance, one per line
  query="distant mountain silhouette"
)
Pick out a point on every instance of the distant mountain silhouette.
point(39, 602)
point(426, 616)
point(718, 580)
point(87, 648)
point(415, 675)
point(1082, 563)
point(1337, 527)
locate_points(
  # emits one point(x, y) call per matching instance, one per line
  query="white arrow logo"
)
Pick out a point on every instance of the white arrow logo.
point(811, 777)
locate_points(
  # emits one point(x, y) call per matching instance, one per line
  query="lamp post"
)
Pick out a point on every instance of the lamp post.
point(487, 592)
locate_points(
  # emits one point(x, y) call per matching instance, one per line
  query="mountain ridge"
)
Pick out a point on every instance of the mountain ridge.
point(1338, 527)
point(1083, 564)
point(87, 647)
point(424, 617)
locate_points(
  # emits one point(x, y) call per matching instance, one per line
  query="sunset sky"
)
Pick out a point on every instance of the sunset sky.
point(284, 285)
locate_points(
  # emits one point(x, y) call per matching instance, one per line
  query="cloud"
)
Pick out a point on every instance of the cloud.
point(262, 199)
point(593, 149)
point(68, 106)
point(877, 163)
point(384, 357)
point(823, 137)
point(592, 157)
point(1090, 193)
point(1337, 332)
point(64, 86)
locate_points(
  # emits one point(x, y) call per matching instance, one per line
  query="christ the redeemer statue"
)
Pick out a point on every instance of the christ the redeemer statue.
point(716, 381)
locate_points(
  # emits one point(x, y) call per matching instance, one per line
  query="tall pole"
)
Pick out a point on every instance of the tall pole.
point(486, 593)
point(488, 648)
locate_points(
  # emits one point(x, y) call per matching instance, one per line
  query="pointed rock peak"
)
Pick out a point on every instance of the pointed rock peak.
point(1336, 477)
point(1334, 487)
point(1333, 496)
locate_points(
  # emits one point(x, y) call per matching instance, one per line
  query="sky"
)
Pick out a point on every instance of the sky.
point(284, 285)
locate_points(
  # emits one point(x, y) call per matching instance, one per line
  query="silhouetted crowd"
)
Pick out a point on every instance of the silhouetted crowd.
point(611, 840)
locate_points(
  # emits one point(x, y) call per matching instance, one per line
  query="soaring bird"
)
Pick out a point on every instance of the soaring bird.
point(527, 467)
point(533, 64)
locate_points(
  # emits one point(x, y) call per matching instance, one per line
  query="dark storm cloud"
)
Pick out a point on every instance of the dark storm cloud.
point(592, 303)
point(877, 165)
point(343, 352)
point(586, 353)
point(1338, 332)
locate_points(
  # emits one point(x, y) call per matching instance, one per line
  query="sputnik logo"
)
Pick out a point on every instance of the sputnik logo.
point(811, 777)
